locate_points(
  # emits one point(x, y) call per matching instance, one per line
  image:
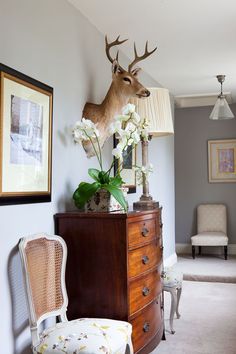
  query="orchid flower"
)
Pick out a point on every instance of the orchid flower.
point(142, 171)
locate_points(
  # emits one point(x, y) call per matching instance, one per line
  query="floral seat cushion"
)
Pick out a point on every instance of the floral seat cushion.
point(86, 335)
point(172, 278)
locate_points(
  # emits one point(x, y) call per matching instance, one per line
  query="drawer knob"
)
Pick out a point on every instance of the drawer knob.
point(146, 327)
point(146, 291)
point(145, 232)
point(145, 259)
point(163, 274)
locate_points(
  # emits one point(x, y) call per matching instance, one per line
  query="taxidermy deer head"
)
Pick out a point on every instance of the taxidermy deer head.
point(124, 85)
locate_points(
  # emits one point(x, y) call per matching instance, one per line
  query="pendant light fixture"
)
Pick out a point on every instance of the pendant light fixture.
point(221, 109)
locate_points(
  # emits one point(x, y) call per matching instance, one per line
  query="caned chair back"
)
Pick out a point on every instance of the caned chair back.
point(211, 217)
point(43, 261)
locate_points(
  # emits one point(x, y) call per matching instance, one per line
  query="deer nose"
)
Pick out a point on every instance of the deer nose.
point(147, 93)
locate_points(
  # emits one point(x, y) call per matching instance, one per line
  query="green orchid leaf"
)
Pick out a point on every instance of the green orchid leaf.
point(117, 194)
point(84, 192)
point(93, 172)
point(103, 177)
point(116, 181)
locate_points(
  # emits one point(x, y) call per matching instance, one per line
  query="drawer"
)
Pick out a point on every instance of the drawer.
point(142, 231)
point(144, 291)
point(144, 258)
point(146, 325)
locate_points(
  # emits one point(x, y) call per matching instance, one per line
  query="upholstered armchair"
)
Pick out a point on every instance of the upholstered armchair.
point(211, 227)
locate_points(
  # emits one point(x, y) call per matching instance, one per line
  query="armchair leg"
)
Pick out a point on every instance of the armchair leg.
point(199, 250)
point(193, 252)
point(226, 252)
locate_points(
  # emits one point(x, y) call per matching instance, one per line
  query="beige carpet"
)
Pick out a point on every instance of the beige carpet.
point(208, 320)
point(207, 268)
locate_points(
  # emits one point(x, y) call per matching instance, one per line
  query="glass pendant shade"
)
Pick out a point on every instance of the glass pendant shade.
point(221, 110)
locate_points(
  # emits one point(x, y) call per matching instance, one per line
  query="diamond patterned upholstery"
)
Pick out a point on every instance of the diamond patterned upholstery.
point(211, 217)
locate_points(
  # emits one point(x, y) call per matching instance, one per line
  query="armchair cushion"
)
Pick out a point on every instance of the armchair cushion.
point(85, 335)
point(211, 238)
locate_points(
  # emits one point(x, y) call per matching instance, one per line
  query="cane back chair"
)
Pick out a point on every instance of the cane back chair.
point(43, 261)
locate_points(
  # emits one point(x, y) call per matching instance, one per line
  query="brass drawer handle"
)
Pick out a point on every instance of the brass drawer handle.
point(145, 232)
point(146, 291)
point(146, 327)
point(145, 259)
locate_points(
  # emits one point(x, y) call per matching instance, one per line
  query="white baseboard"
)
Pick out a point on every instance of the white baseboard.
point(186, 248)
point(171, 260)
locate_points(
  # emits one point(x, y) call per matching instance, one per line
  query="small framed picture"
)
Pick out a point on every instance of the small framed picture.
point(25, 138)
point(127, 168)
point(222, 160)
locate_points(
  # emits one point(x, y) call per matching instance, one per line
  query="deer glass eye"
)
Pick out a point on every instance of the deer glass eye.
point(127, 80)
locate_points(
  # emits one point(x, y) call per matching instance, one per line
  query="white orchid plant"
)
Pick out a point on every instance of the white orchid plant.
point(129, 129)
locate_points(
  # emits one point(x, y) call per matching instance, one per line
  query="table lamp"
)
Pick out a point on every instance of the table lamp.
point(157, 110)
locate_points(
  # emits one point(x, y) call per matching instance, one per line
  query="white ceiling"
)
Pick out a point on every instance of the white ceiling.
point(195, 39)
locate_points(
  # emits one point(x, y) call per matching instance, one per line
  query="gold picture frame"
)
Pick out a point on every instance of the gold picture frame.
point(222, 161)
point(25, 138)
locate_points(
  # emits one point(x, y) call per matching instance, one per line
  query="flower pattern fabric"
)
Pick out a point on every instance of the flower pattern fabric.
point(172, 278)
point(85, 336)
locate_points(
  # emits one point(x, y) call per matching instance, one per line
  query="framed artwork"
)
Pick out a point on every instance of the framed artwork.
point(127, 167)
point(222, 160)
point(25, 138)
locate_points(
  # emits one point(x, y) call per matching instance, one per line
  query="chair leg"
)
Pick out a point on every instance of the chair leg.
point(193, 252)
point(226, 252)
point(173, 307)
point(179, 291)
point(199, 250)
point(163, 334)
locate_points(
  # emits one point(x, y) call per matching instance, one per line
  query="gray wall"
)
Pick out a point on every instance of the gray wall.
point(192, 131)
point(52, 42)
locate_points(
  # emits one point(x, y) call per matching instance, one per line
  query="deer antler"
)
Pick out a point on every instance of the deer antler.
point(139, 58)
point(112, 44)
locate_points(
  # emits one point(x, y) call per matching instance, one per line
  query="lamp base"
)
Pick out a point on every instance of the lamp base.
point(145, 203)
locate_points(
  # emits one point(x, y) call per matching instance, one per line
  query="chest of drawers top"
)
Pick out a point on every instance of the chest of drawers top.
point(140, 227)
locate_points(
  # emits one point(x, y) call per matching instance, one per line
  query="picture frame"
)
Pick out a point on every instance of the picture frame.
point(222, 161)
point(25, 138)
point(128, 173)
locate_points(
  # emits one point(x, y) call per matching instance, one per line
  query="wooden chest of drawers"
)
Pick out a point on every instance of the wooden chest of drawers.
point(113, 270)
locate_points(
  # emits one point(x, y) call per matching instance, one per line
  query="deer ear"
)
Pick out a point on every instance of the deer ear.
point(135, 71)
point(116, 69)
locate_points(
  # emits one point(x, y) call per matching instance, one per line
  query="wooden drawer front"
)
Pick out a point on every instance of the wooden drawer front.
point(142, 231)
point(146, 325)
point(144, 258)
point(143, 291)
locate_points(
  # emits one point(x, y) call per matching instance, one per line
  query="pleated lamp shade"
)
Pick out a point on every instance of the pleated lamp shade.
point(157, 110)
